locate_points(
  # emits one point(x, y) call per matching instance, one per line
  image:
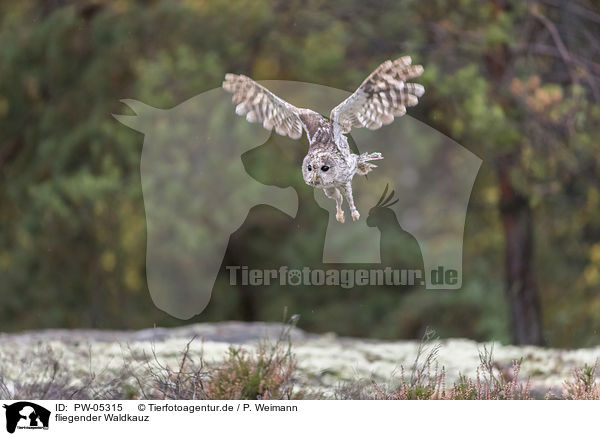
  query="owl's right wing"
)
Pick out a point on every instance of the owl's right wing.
point(261, 105)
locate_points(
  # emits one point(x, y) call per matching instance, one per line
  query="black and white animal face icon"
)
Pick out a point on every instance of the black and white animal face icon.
point(27, 415)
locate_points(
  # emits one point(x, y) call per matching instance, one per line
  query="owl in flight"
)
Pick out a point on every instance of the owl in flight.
point(329, 164)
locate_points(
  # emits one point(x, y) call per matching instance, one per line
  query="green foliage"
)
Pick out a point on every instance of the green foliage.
point(72, 223)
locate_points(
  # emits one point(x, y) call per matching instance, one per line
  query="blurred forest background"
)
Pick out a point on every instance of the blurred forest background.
point(517, 83)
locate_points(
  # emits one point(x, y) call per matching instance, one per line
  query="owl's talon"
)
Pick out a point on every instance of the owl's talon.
point(340, 216)
point(355, 215)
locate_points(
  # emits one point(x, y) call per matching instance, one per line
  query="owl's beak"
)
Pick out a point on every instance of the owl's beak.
point(314, 180)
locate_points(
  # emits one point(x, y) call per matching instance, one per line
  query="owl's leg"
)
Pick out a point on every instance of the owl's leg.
point(337, 196)
point(347, 190)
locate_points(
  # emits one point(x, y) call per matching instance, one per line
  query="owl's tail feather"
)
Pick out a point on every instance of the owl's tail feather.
point(363, 166)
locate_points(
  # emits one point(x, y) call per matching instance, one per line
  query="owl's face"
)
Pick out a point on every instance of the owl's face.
point(321, 169)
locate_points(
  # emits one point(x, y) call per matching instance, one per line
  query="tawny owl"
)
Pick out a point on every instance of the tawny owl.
point(329, 164)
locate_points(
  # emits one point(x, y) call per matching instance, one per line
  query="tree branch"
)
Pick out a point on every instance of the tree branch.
point(564, 53)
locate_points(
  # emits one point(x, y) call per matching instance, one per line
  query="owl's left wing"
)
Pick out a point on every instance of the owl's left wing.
point(383, 95)
point(261, 105)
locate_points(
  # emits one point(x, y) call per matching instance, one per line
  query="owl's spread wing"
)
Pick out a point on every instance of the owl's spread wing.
point(261, 105)
point(383, 95)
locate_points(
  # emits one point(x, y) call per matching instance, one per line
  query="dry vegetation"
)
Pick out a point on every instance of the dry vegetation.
point(269, 372)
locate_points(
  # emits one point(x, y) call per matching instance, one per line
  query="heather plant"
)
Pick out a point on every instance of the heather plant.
point(490, 386)
point(427, 381)
point(582, 385)
point(264, 373)
point(432, 386)
point(492, 382)
point(157, 380)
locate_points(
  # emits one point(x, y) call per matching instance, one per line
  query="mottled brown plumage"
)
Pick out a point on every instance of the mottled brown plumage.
point(329, 164)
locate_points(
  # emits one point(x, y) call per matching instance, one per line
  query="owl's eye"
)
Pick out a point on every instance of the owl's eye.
point(309, 168)
point(324, 168)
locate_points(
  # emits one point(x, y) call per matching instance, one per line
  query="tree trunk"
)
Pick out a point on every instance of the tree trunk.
point(521, 290)
point(516, 215)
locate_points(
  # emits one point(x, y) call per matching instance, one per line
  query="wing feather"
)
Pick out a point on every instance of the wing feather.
point(262, 106)
point(383, 95)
